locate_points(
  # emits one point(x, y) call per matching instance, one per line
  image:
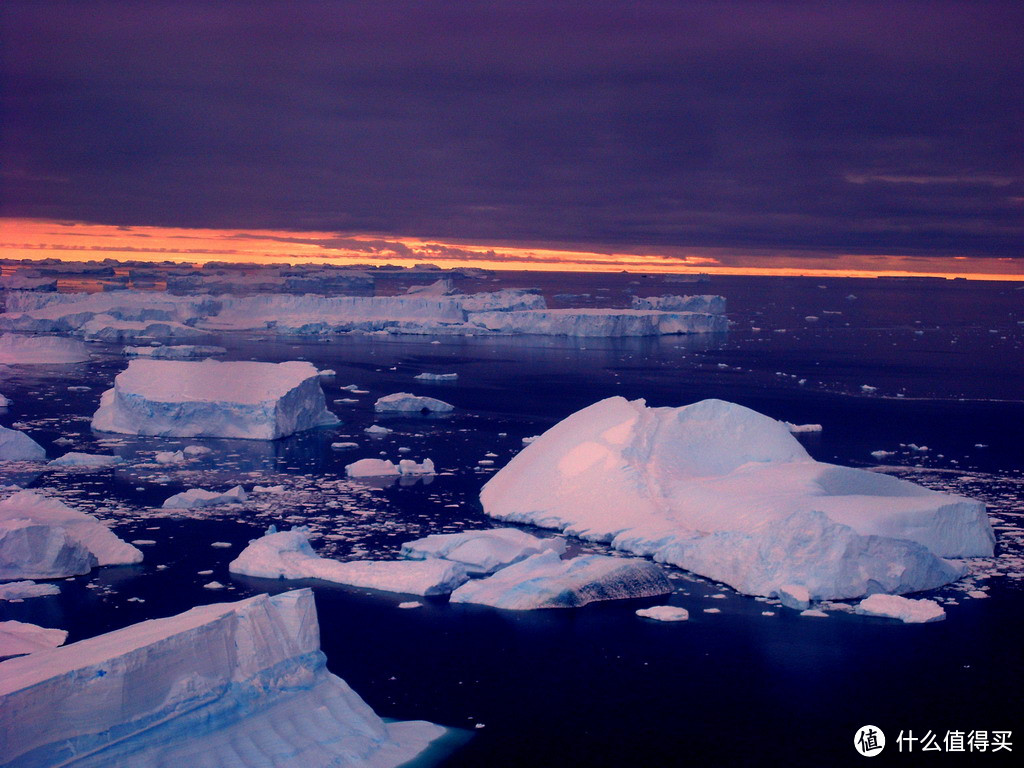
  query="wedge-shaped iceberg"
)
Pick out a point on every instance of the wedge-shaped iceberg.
point(403, 402)
point(42, 538)
point(228, 685)
point(18, 638)
point(599, 322)
point(17, 446)
point(547, 581)
point(713, 487)
point(259, 401)
point(287, 555)
point(40, 350)
point(481, 552)
point(197, 497)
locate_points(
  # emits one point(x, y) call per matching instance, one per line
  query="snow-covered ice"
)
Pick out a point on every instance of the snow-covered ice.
point(288, 555)
point(484, 551)
point(18, 638)
point(40, 350)
point(40, 537)
point(260, 401)
point(546, 581)
point(17, 446)
point(728, 493)
point(906, 609)
point(198, 497)
point(76, 459)
point(371, 468)
point(23, 590)
point(436, 376)
point(600, 322)
point(175, 352)
point(664, 613)
point(229, 685)
point(403, 402)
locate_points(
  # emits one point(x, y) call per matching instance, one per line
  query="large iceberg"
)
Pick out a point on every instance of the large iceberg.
point(287, 555)
point(40, 350)
point(668, 303)
point(546, 581)
point(726, 492)
point(260, 401)
point(17, 446)
point(42, 538)
point(600, 322)
point(227, 685)
point(481, 552)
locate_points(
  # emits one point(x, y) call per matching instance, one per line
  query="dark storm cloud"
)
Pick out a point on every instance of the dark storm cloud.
point(866, 127)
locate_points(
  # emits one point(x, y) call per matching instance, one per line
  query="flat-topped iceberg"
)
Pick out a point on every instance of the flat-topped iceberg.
point(258, 401)
point(404, 402)
point(726, 492)
point(288, 555)
point(17, 446)
point(906, 609)
point(40, 350)
point(42, 538)
point(18, 638)
point(600, 322)
point(481, 552)
point(77, 459)
point(669, 303)
point(198, 497)
point(175, 351)
point(25, 590)
point(546, 581)
point(229, 685)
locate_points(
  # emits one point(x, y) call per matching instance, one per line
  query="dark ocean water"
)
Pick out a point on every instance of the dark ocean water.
point(599, 686)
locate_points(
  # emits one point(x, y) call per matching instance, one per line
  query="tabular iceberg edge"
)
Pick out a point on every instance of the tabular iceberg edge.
point(231, 684)
point(728, 493)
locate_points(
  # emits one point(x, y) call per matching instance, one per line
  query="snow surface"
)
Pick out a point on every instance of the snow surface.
point(546, 581)
point(198, 497)
point(664, 613)
point(259, 401)
point(18, 638)
point(288, 555)
point(17, 446)
point(230, 685)
point(723, 491)
point(40, 350)
point(403, 402)
point(907, 610)
point(42, 538)
point(75, 459)
point(481, 552)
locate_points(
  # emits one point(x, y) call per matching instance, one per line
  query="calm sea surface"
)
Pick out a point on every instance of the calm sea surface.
point(881, 365)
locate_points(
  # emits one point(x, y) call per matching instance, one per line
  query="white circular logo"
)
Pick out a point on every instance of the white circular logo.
point(869, 740)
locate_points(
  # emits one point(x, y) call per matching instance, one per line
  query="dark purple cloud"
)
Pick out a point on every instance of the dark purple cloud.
point(858, 126)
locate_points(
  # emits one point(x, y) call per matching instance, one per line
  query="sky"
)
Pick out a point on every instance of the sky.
point(639, 135)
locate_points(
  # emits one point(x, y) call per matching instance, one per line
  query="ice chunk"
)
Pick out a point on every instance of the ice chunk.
point(288, 555)
point(377, 430)
point(403, 402)
point(795, 596)
point(711, 304)
point(231, 684)
point(410, 467)
point(664, 613)
point(260, 401)
point(801, 428)
point(23, 590)
point(197, 497)
point(80, 532)
point(685, 485)
point(18, 638)
point(546, 581)
point(175, 352)
point(4, 401)
point(371, 468)
point(905, 609)
point(169, 457)
point(17, 446)
point(436, 376)
point(33, 551)
point(75, 459)
point(40, 350)
point(481, 552)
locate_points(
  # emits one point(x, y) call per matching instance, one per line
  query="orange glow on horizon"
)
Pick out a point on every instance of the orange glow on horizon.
point(36, 239)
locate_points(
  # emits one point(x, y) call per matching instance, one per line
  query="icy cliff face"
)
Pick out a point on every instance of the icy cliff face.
point(40, 350)
point(711, 304)
point(259, 401)
point(599, 322)
point(233, 684)
point(42, 538)
point(722, 490)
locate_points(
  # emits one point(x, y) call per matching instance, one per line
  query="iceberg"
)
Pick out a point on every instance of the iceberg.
point(229, 685)
point(403, 402)
point(726, 492)
point(371, 468)
point(42, 538)
point(258, 401)
point(18, 638)
point(24, 590)
point(76, 459)
point(111, 329)
point(197, 497)
point(4, 401)
point(17, 446)
point(664, 613)
point(40, 350)
point(481, 552)
point(175, 352)
point(436, 376)
point(288, 555)
point(546, 581)
point(905, 609)
point(599, 322)
point(709, 304)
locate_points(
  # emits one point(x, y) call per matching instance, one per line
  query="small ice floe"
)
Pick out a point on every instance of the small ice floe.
point(712, 610)
point(436, 376)
point(795, 596)
point(94, 460)
point(4, 401)
point(23, 590)
point(798, 428)
point(327, 373)
point(411, 604)
point(906, 609)
point(387, 468)
point(814, 613)
point(197, 497)
point(377, 430)
point(664, 613)
point(169, 457)
point(977, 594)
point(213, 585)
point(882, 454)
point(530, 439)
point(143, 542)
point(868, 388)
point(221, 544)
point(404, 402)
point(344, 446)
point(268, 489)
